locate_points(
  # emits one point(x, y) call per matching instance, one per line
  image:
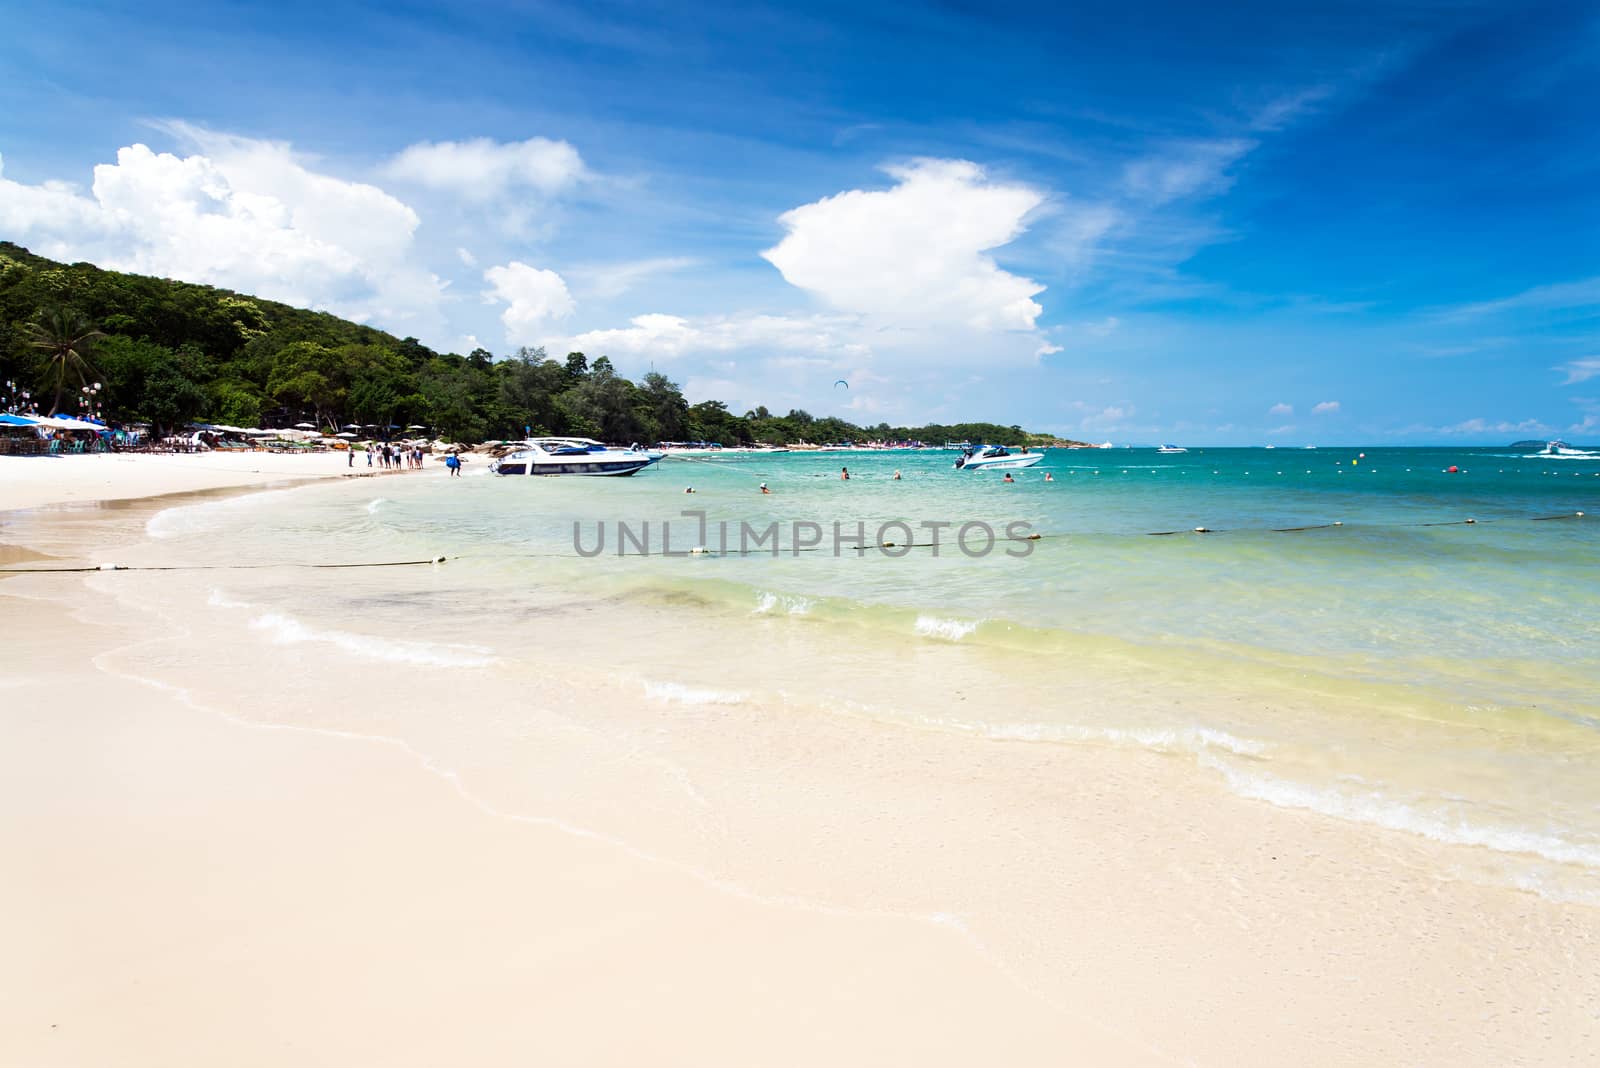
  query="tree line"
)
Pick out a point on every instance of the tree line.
point(170, 353)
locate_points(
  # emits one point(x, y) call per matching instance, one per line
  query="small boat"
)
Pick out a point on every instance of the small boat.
point(1561, 448)
point(996, 458)
point(1172, 448)
point(573, 456)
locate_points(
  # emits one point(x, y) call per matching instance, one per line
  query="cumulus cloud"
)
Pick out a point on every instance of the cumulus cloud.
point(1326, 408)
point(482, 170)
point(245, 214)
point(915, 255)
point(1281, 409)
point(1580, 370)
point(666, 337)
point(534, 299)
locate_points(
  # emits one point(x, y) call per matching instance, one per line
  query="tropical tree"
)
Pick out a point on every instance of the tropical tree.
point(65, 337)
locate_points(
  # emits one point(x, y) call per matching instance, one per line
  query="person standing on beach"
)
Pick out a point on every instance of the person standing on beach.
point(453, 464)
point(350, 456)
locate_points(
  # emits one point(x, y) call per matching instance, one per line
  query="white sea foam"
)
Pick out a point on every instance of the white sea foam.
point(286, 630)
point(950, 630)
point(768, 604)
point(376, 503)
point(688, 695)
point(206, 517)
point(1162, 739)
point(1395, 815)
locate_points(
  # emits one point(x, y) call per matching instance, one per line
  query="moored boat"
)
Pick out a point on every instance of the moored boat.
point(996, 457)
point(573, 456)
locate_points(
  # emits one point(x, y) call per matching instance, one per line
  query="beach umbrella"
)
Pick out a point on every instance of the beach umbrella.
point(305, 426)
point(17, 420)
point(347, 435)
point(351, 426)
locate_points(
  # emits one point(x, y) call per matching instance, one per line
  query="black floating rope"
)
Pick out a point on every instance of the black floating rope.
point(210, 567)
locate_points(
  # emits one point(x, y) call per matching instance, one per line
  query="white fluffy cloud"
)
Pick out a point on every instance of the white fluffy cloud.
point(534, 298)
point(916, 255)
point(1281, 409)
point(1326, 408)
point(240, 213)
point(481, 170)
point(665, 337)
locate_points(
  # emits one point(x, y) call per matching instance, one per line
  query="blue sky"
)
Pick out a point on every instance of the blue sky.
point(1243, 224)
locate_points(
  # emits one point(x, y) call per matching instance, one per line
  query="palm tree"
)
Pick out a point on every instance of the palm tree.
point(66, 336)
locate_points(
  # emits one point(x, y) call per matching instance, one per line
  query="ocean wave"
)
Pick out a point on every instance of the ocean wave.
point(950, 630)
point(1395, 815)
point(206, 517)
point(1161, 739)
point(781, 603)
point(686, 695)
point(376, 503)
point(286, 630)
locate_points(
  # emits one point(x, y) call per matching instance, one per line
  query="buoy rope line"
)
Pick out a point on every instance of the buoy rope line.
point(703, 551)
point(216, 567)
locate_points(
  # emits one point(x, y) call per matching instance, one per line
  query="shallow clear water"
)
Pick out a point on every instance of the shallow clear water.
point(1402, 668)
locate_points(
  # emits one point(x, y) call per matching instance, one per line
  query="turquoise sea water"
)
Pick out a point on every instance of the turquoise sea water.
point(1403, 667)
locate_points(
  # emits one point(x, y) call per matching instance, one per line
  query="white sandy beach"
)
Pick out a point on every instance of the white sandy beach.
point(34, 481)
point(253, 866)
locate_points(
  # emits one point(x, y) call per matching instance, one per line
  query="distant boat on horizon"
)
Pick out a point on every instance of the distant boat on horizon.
point(1171, 448)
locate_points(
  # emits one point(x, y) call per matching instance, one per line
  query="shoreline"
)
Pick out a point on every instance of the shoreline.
point(29, 482)
point(1053, 883)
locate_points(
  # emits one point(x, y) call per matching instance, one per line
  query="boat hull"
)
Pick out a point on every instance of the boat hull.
point(1014, 462)
point(517, 465)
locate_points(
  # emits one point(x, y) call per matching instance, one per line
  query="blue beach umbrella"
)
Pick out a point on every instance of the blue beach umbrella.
point(16, 420)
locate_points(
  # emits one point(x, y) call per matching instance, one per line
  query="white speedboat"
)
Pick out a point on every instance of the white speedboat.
point(1172, 448)
point(573, 456)
point(1561, 448)
point(996, 458)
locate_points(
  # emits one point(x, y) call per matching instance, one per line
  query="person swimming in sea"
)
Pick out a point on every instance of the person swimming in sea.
point(1008, 477)
point(897, 475)
point(764, 488)
point(1048, 477)
point(844, 474)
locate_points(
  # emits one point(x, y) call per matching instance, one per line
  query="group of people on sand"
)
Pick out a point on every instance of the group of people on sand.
point(392, 457)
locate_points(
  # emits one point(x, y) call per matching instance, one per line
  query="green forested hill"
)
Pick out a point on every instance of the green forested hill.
point(171, 352)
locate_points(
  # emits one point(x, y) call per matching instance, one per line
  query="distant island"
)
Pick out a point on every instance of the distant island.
point(172, 353)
